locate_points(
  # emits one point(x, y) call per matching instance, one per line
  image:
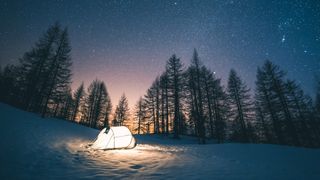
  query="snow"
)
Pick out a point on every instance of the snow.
point(36, 148)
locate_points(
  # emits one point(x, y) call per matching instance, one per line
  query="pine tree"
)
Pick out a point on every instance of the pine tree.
point(301, 107)
point(45, 71)
point(174, 71)
point(59, 77)
point(272, 96)
point(150, 100)
point(153, 101)
point(122, 111)
point(164, 103)
point(205, 98)
point(241, 110)
point(317, 99)
point(216, 105)
point(157, 87)
point(79, 100)
point(267, 109)
point(43, 75)
point(140, 116)
point(10, 87)
point(196, 85)
point(262, 127)
point(35, 67)
point(108, 109)
point(208, 87)
point(98, 105)
point(316, 118)
point(67, 103)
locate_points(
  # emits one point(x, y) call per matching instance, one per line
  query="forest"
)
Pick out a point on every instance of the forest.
point(183, 100)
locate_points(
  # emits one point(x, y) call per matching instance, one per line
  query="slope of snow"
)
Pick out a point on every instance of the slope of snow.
point(36, 148)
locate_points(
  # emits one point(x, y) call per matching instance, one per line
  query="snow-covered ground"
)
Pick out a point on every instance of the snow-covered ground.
point(36, 148)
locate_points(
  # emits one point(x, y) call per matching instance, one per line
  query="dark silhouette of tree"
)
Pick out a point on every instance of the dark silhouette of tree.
point(58, 79)
point(262, 126)
point(316, 118)
point(44, 72)
point(317, 99)
point(150, 100)
point(272, 96)
point(122, 111)
point(10, 88)
point(153, 103)
point(107, 112)
point(157, 104)
point(209, 83)
point(241, 109)
point(98, 102)
point(301, 108)
point(216, 105)
point(79, 100)
point(164, 103)
point(67, 104)
point(35, 68)
point(265, 102)
point(140, 115)
point(196, 85)
point(157, 90)
point(174, 72)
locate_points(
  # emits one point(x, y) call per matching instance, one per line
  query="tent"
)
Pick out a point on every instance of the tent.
point(118, 137)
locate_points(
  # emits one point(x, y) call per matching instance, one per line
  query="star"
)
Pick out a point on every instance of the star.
point(283, 38)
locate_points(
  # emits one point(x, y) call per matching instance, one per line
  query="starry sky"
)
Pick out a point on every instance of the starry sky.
point(126, 42)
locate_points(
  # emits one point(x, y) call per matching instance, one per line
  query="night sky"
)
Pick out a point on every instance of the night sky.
point(126, 43)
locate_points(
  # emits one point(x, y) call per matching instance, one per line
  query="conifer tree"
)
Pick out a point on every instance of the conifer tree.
point(35, 67)
point(272, 97)
point(58, 78)
point(215, 106)
point(98, 105)
point(140, 115)
point(241, 110)
point(317, 99)
point(79, 100)
point(164, 102)
point(150, 100)
point(122, 111)
point(174, 72)
point(196, 85)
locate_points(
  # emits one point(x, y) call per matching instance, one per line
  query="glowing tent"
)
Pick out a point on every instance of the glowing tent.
point(118, 137)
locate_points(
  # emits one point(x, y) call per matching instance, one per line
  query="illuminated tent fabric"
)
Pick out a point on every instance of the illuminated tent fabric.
point(115, 138)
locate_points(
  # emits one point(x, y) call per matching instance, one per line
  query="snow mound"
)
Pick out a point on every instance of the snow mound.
point(36, 148)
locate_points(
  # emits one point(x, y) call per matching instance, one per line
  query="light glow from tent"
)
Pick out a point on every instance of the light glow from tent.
point(144, 156)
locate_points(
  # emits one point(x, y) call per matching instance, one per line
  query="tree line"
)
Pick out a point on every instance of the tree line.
point(41, 83)
point(181, 101)
point(192, 101)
